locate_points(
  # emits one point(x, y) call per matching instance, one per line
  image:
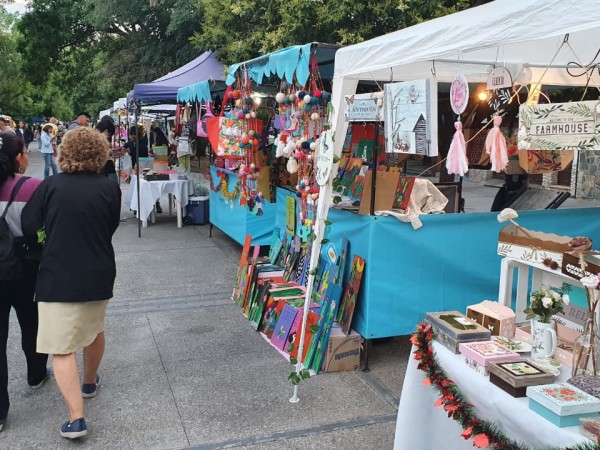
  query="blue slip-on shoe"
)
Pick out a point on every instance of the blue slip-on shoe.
point(46, 378)
point(74, 430)
point(90, 390)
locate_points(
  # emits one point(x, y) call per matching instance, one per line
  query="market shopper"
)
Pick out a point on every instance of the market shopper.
point(83, 120)
point(79, 211)
point(17, 291)
point(48, 150)
point(106, 126)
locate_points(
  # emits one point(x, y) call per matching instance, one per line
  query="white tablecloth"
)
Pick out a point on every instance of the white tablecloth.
point(151, 191)
point(421, 426)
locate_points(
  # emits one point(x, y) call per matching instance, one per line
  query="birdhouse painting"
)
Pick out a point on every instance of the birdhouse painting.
point(408, 117)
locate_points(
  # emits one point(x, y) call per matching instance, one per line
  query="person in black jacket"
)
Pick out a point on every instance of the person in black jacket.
point(106, 126)
point(17, 292)
point(79, 211)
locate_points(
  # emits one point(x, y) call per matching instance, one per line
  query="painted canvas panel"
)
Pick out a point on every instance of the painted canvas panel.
point(283, 326)
point(403, 191)
point(348, 303)
point(409, 124)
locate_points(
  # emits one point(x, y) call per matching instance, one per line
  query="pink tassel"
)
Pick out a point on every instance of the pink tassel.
point(495, 146)
point(456, 161)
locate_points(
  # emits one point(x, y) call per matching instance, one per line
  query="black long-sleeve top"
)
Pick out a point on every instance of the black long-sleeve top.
point(80, 213)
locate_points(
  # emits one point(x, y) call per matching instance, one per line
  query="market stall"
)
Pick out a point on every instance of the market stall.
point(164, 90)
point(469, 43)
point(254, 84)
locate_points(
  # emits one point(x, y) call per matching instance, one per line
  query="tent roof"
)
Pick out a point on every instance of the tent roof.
point(287, 62)
point(501, 32)
point(164, 89)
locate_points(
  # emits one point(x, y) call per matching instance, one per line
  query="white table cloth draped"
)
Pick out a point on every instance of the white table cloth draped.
point(421, 426)
point(151, 191)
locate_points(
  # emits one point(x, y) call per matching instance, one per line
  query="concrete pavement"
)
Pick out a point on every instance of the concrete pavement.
point(183, 368)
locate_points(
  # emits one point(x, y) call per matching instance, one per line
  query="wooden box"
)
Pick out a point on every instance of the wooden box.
point(156, 177)
point(451, 328)
point(479, 355)
point(497, 318)
point(515, 377)
point(572, 268)
point(515, 244)
point(562, 404)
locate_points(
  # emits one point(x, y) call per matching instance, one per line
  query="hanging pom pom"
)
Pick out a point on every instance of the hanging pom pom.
point(313, 145)
point(495, 146)
point(315, 116)
point(279, 146)
point(249, 101)
point(317, 93)
point(238, 103)
point(307, 98)
point(325, 96)
point(289, 148)
point(456, 161)
point(248, 116)
point(305, 145)
point(301, 95)
point(298, 154)
point(280, 97)
point(292, 98)
point(236, 94)
point(253, 114)
point(292, 165)
point(240, 115)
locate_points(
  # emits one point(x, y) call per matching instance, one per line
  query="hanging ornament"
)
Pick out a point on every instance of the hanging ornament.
point(459, 94)
point(315, 116)
point(280, 97)
point(495, 146)
point(456, 161)
point(292, 165)
point(499, 86)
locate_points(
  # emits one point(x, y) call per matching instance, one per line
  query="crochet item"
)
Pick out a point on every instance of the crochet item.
point(495, 146)
point(456, 161)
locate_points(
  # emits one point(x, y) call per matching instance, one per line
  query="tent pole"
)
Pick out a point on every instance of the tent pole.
point(374, 172)
point(137, 167)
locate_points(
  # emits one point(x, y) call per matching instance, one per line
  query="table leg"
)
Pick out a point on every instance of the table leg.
point(506, 282)
point(365, 356)
point(179, 214)
point(144, 224)
point(170, 204)
point(153, 216)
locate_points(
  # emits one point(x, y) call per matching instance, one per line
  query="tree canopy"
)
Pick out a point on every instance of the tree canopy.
point(65, 56)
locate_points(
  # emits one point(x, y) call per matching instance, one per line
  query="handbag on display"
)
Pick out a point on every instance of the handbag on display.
point(213, 124)
point(201, 130)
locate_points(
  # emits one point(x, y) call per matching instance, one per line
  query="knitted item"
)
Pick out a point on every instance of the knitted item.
point(456, 161)
point(495, 146)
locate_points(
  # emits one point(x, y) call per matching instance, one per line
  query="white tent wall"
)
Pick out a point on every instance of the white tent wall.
point(503, 32)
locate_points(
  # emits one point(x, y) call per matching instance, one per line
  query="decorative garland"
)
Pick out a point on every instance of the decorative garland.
point(483, 432)
point(223, 186)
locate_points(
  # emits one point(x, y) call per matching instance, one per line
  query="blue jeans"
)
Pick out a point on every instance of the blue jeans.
point(49, 163)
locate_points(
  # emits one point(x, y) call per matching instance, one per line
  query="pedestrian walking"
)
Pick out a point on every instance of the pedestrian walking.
point(83, 120)
point(106, 126)
point(48, 149)
point(17, 288)
point(25, 133)
point(79, 211)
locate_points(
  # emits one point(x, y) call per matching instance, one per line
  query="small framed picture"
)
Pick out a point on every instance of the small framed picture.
point(520, 368)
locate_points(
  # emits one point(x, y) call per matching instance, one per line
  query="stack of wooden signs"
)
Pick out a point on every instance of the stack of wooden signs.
point(271, 292)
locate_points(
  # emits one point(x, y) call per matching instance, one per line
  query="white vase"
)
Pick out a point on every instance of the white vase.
point(544, 339)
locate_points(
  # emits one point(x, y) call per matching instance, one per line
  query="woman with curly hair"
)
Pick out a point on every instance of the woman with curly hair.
point(79, 211)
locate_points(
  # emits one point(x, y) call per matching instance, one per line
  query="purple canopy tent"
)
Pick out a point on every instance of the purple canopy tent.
point(164, 89)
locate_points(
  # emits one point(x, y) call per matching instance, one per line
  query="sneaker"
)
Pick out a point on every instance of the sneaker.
point(90, 390)
point(46, 378)
point(74, 430)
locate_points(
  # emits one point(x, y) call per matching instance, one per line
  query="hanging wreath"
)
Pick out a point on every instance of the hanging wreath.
point(483, 432)
point(223, 186)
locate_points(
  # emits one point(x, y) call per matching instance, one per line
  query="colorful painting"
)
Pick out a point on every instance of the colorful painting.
point(408, 117)
point(488, 349)
point(348, 303)
point(318, 345)
point(241, 280)
point(458, 322)
point(403, 191)
point(312, 325)
point(283, 326)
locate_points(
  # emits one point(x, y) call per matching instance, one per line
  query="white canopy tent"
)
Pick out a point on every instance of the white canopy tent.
point(504, 32)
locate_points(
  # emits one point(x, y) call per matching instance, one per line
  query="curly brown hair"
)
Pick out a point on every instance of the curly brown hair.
point(83, 150)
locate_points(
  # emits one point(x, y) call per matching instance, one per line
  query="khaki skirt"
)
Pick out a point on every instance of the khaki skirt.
point(65, 327)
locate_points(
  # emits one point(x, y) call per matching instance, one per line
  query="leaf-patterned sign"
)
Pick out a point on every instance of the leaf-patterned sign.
point(560, 126)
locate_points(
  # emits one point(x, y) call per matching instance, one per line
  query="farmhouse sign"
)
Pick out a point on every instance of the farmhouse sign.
point(560, 126)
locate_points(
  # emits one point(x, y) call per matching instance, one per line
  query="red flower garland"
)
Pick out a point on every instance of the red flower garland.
point(484, 433)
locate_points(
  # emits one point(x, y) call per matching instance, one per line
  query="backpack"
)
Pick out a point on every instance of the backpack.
point(11, 246)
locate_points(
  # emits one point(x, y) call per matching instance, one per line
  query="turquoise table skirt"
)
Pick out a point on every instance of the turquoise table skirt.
point(235, 220)
point(448, 264)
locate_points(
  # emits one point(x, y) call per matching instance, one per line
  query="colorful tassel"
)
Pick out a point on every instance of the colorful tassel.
point(495, 146)
point(456, 161)
point(292, 165)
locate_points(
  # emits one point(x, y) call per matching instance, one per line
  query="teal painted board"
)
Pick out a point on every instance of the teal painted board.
point(559, 421)
point(235, 220)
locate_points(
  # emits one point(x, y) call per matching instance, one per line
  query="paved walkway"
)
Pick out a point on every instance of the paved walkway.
point(183, 368)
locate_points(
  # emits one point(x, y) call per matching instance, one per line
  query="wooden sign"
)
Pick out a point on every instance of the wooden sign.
point(290, 223)
point(364, 107)
point(560, 126)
